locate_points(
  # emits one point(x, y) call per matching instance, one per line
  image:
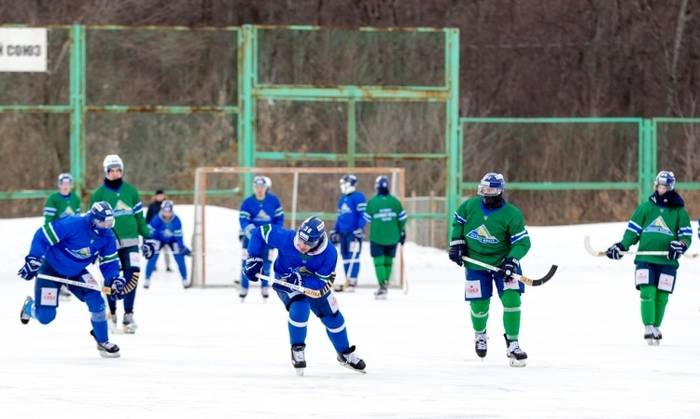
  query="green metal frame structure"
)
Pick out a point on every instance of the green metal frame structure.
point(250, 91)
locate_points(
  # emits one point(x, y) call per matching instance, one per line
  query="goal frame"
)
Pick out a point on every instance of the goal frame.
point(397, 179)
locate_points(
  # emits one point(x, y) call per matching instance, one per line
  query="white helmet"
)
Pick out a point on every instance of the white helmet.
point(112, 161)
point(263, 181)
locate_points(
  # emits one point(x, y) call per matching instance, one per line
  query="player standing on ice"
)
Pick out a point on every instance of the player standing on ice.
point(61, 204)
point(387, 229)
point(662, 224)
point(129, 224)
point(166, 229)
point(63, 249)
point(261, 208)
point(304, 258)
point(490, 229)
point(349, 230)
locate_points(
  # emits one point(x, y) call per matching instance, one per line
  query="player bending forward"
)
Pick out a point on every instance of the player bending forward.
point(63, 249)
point(491, 230)
point(304, 258)
point(660, 224)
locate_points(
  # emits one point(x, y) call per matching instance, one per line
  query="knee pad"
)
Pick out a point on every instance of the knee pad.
point(98, 316)
point(480, 306)
point(299, 311)
point(510, 299)
point(647, 292)
point(95, 302)
point(45, 315)
point(334, 323)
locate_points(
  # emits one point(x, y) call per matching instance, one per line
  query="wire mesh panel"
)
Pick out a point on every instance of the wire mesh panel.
point(159, 150)
point(49, 88)
point(162, 67)
point(563, 158)
point(330, 57)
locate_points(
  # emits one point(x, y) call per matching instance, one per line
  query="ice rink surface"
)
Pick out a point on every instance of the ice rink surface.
point(200, 353)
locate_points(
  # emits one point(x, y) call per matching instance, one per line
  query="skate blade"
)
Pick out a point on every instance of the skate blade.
point(380, 297)
point(653, 342)
point(518, 363)
point(128, 330)
point(348, 366)
point(104, 354)
point(300, 372)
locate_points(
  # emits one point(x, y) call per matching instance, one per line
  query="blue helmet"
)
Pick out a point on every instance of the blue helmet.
point(492, 184)
point(311, 232)
point(101, 215)
point(348, 184)
point(665, 178)
point(64, 177)
point(382, 185)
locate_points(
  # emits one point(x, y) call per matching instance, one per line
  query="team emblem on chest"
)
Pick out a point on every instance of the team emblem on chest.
point(482, 235)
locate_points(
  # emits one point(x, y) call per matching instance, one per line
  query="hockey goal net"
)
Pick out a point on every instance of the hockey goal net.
point(219, 191)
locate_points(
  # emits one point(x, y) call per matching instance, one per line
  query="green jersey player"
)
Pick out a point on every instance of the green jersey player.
point(62, 203)
point(387, 220)
point(128, 225)
point(491, 230)
point(659, 224)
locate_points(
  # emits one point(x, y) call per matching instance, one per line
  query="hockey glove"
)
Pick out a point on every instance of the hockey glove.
point(30, 268)
point(457, 250)
point(509, 267)
point(615, 251)
point(241, 236)
point(676, 249)
point(150, 247)
point(117, 288)
point(293, 277)
point(402, 238)
point(186, 251)
point(253, 266)
point(334, 237)
point(359, 234)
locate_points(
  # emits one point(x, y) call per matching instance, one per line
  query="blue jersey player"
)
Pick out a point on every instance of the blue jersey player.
point(261, 208)
point(166, 230)
point(349, 230)
point(304, 258)
point(64, 248)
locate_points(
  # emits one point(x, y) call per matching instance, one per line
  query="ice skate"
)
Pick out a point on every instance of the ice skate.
point(298, 359)
point(351, 361)
point(381, 293)
point(147, 283)
point(480, 345)
point(106, 349)
point(242, 293)
point(129, 324)
point(514, 353)
point(351, 285)
point(652, 335)
point(265, 292)
point(26, 313)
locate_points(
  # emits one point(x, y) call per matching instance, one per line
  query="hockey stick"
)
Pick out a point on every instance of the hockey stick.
point(94, 287)
point(525, 280)
point(306, 291)
point(597, 253)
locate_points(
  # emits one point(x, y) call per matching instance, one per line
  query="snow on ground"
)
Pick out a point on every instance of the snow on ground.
point(201, 353)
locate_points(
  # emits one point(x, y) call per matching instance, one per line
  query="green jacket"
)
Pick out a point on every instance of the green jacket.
point(58, 206)
point(655, 224)
point(386, 218)
point(128, 213)
point(490, 235)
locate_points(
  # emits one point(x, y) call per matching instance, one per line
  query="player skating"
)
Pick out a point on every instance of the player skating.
point(261, 208)
point(491, 230)
point(166, 229)
point(387, 220)
point(64, 249)
point(349, 230)
point(659, 224)
point(128, 226)
point(305, 259)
